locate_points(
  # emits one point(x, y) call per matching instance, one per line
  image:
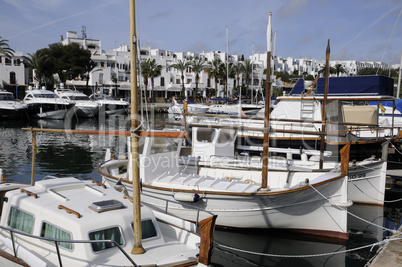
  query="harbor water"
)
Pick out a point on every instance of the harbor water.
point(66, 155)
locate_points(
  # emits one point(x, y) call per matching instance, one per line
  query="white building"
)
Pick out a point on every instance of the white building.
point(13, 74)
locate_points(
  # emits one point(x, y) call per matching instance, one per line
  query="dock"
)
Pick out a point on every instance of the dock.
point(389, 254)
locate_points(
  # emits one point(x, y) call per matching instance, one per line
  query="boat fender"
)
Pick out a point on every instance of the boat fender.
point(187, 197)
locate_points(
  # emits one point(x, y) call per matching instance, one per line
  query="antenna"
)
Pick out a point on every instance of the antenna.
point(83, 32)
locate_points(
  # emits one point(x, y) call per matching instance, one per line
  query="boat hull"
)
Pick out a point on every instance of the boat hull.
point(304, 210)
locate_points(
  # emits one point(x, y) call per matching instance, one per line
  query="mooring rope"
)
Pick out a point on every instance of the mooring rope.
point(366, 221)
point(379, 243)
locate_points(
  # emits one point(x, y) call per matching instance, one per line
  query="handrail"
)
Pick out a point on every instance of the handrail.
point(29, 193)
point(182, 204)
point(69, 211)
point(56, 241)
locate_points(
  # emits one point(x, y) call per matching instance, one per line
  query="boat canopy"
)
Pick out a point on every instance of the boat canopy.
point(351, 85)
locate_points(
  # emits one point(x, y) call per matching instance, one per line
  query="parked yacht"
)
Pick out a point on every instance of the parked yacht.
point(45, 104)
point(70, 222)
point(84, 106)
point(110, 106)
point(10, 108)
point(192, 107)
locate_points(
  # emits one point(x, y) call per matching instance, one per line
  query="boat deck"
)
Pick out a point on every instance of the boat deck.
point(194, 181)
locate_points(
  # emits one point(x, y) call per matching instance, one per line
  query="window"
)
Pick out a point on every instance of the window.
point(178, 81)
point(49, 231)
point(162, 81)
point(189, 81)
point(20, 220)
point(148, 229)
point(205, 135)
point(106, 234)
point(13, 80)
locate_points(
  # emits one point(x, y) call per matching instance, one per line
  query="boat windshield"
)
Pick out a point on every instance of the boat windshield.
point(163, 145)
point(6, 97)
point(80, 98)
point(45, 96)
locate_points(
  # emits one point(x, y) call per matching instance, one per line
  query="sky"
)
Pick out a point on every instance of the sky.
point(364, 30)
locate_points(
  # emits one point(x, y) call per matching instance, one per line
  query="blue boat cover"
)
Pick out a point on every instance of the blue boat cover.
point(351, 85)
point(355, 85)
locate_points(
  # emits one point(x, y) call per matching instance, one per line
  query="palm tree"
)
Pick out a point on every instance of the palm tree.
point(155, 70)
point(5, 48)
point(213, 72)
point(38, 61)
point(339, 69)
point(145, 72)
point(198, 65)
point(249, 69)
point(181, 65)
point(238, 69)
point(332, 70)
point(88, 68)
point(226, 72)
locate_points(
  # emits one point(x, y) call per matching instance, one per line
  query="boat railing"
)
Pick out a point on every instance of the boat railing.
point(57, 241)
point(166, 210)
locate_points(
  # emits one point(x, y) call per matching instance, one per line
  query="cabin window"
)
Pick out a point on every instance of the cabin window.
point(148, 229)
point(226, 136)
point(163, 145)
point(20, 220)
point(113, 233)
point(49, 231)
point(205, 135)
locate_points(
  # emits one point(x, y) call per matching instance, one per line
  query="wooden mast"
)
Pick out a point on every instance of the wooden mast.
point(264, 182)
point(324, 109)
point(137, 249)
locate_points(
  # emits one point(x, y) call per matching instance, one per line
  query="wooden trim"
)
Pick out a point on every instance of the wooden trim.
point(99, 184)
point(69, 211)
point(207, 227)
point(28, 193)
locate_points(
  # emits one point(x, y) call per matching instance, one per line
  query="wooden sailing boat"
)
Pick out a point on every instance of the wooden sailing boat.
point(306, 202)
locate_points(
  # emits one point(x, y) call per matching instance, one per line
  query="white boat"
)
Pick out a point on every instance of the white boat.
point(296, 121)
point(214, 153)
point(83, 106)
point(109, 105)
point(10, 108)
point(296, 201)
point(45, 104)
point(69, 222)
point(192, 107)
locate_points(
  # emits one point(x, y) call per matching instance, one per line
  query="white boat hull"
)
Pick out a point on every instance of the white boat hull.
point(304, 211)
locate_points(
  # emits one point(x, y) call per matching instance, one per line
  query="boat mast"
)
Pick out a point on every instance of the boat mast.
point(399, 78)
point(264, 181)
point(324, 109)
point(137, 249)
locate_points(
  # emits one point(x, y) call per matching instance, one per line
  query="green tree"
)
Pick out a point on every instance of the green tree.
point(88, 68)
point(5, 48)
point(181, 66)
point(213, 72)
point(225, 72)
point(39, 61)
point(238, 69)
point(332, 70)
point(155, 70)
point(249, 69)
point(197, 66)
point(339, 69)
point(145, 73)
point(69, 61)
